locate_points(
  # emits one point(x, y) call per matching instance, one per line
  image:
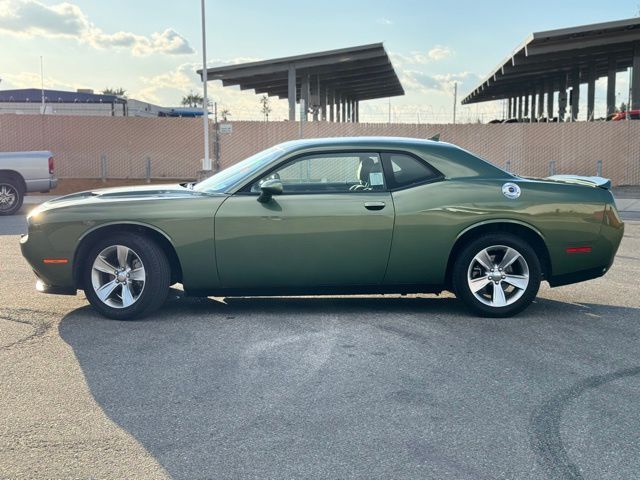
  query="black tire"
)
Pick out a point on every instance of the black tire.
point(157, 273)
point(465, 267)
point(11, 196)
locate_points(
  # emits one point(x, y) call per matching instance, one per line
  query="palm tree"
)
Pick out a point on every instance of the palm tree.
point(225, 113)
point(192, 100)
point(120, 92)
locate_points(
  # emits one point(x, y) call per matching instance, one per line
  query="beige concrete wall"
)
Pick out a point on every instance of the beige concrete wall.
point(574, 147)
point(175, 144)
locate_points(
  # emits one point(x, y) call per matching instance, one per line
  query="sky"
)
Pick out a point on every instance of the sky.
point(153, 48)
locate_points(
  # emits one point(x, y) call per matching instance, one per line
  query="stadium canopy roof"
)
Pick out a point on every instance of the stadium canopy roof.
point(34, 95)
point(330, 82)
point(550, 61)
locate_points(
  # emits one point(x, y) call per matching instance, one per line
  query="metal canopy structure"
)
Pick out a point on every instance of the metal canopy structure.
point(331, 83)
point(554, 60)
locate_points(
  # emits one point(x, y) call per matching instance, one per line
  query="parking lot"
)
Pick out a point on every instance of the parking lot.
point(329, 387)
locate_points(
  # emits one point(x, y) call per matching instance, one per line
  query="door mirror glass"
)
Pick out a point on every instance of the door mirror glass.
point(268, 188)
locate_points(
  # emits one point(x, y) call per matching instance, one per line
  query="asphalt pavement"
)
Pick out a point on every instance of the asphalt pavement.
point(329, 387)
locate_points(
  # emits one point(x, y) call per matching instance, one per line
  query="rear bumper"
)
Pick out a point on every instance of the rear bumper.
point(579, 276)
point(42, 184)
point(574, 268)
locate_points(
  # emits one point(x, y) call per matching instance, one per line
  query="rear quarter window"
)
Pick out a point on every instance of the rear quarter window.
point(407, 170)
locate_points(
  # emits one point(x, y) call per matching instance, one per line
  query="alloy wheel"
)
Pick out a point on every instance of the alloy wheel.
point(118, 276)
point(498, 276)
point(8, 196)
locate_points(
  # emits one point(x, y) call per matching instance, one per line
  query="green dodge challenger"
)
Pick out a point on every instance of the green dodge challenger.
point(330, 216)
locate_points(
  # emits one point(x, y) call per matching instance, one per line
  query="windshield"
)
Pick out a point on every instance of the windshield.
point(228, 177)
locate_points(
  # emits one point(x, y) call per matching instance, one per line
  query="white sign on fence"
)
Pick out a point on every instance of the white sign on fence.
point(225, 128)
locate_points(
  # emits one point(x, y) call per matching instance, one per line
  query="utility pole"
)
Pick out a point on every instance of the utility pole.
point(455, 100)
point(206, 162)
point(42, 85)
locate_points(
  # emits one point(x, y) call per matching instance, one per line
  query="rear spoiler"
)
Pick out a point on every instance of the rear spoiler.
point(587, 181)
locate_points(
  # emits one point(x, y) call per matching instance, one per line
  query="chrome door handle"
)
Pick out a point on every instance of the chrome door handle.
point(374, 205)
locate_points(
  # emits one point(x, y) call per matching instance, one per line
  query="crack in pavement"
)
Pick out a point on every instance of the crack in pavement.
point(39, 326)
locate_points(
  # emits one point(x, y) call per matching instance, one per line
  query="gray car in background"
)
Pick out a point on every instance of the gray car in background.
point(22, 172)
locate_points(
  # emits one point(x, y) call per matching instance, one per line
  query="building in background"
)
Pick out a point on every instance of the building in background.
point(83, 103)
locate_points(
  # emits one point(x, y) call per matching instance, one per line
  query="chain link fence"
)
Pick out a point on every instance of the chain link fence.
point(172, 148)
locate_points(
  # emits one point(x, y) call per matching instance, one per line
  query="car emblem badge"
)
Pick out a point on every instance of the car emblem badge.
point(511, 190)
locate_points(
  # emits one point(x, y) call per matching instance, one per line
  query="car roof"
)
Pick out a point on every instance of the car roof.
point(364, 142)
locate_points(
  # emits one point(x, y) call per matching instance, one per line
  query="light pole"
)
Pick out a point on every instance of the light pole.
point(206, 162)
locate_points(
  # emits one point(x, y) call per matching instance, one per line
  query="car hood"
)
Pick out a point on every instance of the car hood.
point(142, 192)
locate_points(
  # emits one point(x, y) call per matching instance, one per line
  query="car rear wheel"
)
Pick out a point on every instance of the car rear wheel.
point(126, 276)
point(11, 196)
point(497, 275)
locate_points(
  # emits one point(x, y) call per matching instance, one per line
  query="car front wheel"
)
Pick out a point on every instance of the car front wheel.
point(126, 276)
point(497, 275)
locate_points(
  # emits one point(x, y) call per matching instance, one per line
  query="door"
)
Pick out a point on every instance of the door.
point(332, 225)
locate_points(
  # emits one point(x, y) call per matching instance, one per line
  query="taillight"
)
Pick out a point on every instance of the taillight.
point(51, 165)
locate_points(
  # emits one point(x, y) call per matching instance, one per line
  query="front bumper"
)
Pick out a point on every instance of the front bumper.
point(51, 277)
point(54, 290)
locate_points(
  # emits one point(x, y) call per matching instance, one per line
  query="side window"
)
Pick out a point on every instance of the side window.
point(329, 172)
point(407, 170)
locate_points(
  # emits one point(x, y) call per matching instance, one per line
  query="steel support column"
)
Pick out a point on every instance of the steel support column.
point(304, 95)
point(332, 102)
point(575, 94)
point(519, 116)
point(550, 94)
point(611, 86)
point(540, 109)
point(562, 99)
point(635, 78)
point(316, 96)
point(291, 92)
point(323, 103)
point(526, 106)
point(533, 117)
point(591, 92)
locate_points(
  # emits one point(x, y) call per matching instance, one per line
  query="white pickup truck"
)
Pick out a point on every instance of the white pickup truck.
point(22, 172)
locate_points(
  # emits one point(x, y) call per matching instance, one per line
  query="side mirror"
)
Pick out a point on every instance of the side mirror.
point(270, 188)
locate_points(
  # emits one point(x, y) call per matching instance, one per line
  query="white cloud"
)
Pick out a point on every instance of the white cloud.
point(425, 83)
point(168, 88)
point(415, 57)
point(29, 79)
point(439, 52)
point(31, 18)
point(384, 21)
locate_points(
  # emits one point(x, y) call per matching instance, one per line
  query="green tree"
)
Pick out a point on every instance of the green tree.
point(265, 107)
point(623, 107)
point(192, 100)
point(120, 92)
point(225, 113)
